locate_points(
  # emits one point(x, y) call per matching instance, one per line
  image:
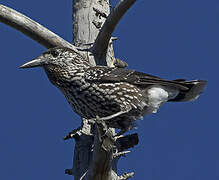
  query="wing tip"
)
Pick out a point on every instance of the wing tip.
point(195, 88)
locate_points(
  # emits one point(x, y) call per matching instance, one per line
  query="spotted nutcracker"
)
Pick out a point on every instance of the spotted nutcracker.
point(116, 95)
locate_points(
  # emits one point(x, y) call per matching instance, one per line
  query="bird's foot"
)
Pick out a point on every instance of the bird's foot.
point(106, 131)
point(73, 134)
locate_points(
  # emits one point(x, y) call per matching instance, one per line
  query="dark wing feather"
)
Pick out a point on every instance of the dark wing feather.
point(104, 74)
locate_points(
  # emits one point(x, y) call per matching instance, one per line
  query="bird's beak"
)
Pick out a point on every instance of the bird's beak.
point(33, 63)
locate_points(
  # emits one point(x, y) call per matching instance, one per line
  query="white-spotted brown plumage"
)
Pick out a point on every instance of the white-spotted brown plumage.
point(103, 91)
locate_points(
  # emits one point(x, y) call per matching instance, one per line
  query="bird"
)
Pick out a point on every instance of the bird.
point(117, 96)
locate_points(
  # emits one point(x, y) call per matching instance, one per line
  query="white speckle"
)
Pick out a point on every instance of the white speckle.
point(125, 103)
point(76, 78)
point(135, 97)
point(128, 96)
point(134, 105)
point(123, 99)
point(120, 93)
point(109, 84)
point(113, 96)
point(118, 100)
point(85, 86)
point(91, 89)
point(101, 90)
point(94, 85)
point(79, 74)
point(111, 91)
point(97, 93)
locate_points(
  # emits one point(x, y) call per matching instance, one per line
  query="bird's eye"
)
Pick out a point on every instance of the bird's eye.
point(54, 53)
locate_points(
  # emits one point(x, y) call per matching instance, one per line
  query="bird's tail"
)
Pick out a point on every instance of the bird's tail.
point(194, 89)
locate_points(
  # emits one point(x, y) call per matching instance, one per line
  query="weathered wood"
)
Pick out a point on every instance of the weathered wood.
point(88, 18)
point(101, 43)
point(31, 28)
point(102, 157)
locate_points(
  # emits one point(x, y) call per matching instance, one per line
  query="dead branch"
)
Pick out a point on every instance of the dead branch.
point(31, 28)
point(100, 46)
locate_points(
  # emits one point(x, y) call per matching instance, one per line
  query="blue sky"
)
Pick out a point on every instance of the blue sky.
point(171, 39)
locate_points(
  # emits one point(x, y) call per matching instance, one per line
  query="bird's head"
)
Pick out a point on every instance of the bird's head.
point(57, 56)
point(59, 63)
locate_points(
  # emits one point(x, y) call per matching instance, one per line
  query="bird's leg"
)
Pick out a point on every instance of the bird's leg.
point(114, 115)
point(111, 116)
point(102, 120)
point(93, 120)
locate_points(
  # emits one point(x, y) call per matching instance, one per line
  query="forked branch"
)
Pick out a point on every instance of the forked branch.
point(31, 28)
point(100, 46)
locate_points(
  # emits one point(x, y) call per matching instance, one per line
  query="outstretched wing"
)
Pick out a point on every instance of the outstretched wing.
point(104, 74)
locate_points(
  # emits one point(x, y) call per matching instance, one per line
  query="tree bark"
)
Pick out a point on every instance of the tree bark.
point(88, 18)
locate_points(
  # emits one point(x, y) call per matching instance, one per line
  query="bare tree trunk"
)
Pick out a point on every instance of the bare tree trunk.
point(93, 159)
point(88, 18)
